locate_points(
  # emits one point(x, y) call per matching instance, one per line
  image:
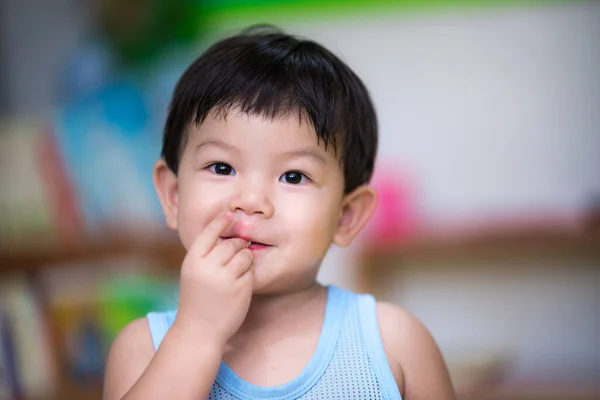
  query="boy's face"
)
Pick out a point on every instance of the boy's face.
point(285, 191)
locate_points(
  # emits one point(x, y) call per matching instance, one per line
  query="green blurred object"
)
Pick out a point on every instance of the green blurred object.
point(142, 30)
point(127, 298)
point(231, 13)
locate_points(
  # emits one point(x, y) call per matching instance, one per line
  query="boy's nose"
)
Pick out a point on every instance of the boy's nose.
point(252, 201)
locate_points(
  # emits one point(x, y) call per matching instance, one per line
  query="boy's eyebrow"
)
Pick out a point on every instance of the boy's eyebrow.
point(215, 143)
point(310, 153)
point(306, 153)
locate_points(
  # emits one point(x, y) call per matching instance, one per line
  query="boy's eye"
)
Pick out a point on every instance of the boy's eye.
point(293, 177)
point(221, 169)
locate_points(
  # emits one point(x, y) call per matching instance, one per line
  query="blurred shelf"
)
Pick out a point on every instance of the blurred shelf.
point(489, 244)
point(479, 249)
point(70, 392)
point(167, 251)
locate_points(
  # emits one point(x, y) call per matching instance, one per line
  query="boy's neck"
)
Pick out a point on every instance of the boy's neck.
point(267, 310)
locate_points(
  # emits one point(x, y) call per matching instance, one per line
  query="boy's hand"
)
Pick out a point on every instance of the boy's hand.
point(216, 283)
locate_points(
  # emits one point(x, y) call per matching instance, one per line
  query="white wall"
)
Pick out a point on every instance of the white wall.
point(491, 110)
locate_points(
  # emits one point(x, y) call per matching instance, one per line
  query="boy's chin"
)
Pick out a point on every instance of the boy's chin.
point(269, 285)
point(272, 286)
point(262, 287)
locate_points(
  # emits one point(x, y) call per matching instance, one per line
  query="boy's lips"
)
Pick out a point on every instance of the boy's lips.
point(254, 245)
point(253, 242)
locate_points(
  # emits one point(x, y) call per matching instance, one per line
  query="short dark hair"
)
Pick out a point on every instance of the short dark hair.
point(266, 72)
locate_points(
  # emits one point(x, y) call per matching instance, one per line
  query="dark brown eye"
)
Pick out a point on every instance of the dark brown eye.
point(293, 178)
point(221, 169)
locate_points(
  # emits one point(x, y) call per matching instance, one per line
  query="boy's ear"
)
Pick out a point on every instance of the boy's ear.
point(165, 183)
point(357, 208)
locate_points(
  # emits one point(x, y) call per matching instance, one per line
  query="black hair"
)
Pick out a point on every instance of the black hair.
point(266, 72)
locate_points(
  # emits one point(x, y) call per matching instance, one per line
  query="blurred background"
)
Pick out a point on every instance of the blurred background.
point(488, 225)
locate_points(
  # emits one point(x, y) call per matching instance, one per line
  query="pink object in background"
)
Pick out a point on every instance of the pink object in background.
point(395, 218)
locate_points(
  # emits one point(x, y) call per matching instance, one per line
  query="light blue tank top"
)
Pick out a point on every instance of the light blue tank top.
point(349, 361)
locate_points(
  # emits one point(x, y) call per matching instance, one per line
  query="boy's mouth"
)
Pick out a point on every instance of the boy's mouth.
point(252, 244)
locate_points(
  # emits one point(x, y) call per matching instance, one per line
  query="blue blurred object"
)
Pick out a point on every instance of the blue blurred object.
point(109, 147)
point(86, 71)
point(87, 354)
point(9, 379)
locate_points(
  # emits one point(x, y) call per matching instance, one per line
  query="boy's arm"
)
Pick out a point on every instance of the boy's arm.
point(214, 297)
point(415, 358)
point(184, 367)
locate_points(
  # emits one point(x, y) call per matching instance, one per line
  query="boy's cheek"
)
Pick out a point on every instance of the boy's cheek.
point(314, 227)
point(193, 218)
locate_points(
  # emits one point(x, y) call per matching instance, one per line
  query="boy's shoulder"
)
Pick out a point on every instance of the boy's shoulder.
point(136, 334)
point(411, 349)
point(130, 354)
point(398, 329)
point(402, 333)
point(398, 322)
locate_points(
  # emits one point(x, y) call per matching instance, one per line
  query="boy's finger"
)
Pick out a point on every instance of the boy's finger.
point(210, 235)
point(241, 262)
point(224, 251)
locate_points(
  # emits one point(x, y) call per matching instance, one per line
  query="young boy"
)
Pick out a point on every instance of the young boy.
point(268, 150)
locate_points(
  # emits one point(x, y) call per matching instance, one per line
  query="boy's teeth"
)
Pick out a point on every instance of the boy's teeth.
point(249, 243)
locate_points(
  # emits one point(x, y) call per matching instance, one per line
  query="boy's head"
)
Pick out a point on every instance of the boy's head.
point(280, 132)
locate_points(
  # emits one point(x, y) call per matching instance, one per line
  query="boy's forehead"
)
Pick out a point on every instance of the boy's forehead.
point(288, 131)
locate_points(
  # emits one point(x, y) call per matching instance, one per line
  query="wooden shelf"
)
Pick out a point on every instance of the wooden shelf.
point(526, 242)
point(426, 247)
point(522, 248)
point(161, 250)
point(167, 251)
